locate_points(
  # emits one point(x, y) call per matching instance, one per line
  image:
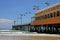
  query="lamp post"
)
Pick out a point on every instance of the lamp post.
point(29, 15)
point(35, 7)
point(21, 17)
point(14, 22)
point(48, 4)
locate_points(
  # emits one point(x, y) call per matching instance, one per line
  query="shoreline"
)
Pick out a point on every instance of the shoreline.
point(29, 37)
point(22, 34)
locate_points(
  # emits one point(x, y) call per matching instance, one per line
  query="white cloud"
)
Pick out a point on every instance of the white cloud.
point(5, 20)
point(6, 23)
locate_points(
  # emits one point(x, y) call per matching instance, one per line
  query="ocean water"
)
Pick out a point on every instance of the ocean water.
point(13, 32)
point(9, 31)
point(5, 28)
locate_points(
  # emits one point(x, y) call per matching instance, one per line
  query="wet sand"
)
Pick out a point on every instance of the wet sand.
point(28, 37)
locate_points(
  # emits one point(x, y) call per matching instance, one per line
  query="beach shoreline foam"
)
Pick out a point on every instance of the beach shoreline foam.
point(19, 35)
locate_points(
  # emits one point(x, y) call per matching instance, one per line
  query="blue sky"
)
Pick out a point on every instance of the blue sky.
point(11, 9)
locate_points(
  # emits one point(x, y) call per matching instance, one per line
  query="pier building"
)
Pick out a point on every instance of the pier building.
point(46, 20)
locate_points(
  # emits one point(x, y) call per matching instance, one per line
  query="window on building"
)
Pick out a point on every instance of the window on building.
point(37, 18)
point(45, 16)
point(42, 17)
point(54, 14)
point(58, 14)
point(48, 15)
point(51, 15)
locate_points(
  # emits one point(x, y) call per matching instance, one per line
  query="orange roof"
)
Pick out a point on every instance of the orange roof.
point(46, 21)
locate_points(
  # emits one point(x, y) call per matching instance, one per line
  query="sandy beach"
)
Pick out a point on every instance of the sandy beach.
point(16, 35)
point(29, 37)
